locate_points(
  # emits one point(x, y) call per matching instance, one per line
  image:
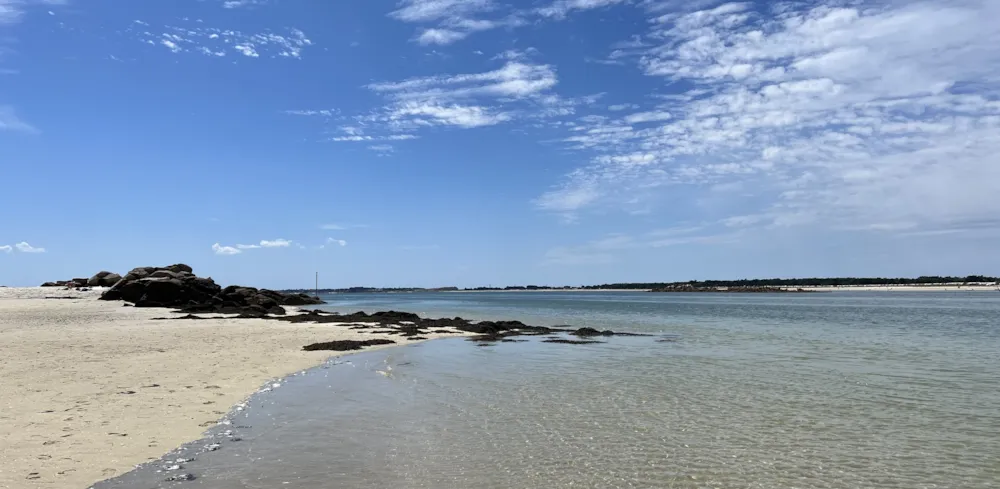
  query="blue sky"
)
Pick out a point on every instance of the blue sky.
point(476, 142)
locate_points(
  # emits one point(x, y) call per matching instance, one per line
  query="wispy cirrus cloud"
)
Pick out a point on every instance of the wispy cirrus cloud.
point(517, 89)
point(559, 9)
point(9, 121)
point(840, 116)
point(454, 20)
point(314, 112)
point(382, 149)
point(613, 247)
point(13, 11)
point(233, 4)
point(210, 41)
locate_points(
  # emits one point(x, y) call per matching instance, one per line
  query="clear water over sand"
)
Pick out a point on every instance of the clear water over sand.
point(759, 391)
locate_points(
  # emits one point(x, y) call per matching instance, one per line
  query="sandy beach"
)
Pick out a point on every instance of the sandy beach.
point(91, 388)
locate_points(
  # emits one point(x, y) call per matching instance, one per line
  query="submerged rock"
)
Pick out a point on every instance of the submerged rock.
point(571, 342)
point(346, 345)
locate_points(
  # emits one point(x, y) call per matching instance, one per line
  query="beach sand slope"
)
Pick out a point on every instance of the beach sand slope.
point(89, 388)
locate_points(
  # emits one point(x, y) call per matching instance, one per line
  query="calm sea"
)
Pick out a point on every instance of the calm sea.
point(840, 390)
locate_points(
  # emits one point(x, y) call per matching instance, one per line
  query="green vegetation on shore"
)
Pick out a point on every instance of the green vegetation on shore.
point(805, 282)
point(742, 283)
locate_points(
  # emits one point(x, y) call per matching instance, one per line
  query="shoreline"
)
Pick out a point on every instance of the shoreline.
point(808, 288)
point(93, 389)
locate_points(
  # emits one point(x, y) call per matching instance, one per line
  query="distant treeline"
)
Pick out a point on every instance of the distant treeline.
point(757, 282)
point(805, 282)
point(357, 290)
point(527, 287)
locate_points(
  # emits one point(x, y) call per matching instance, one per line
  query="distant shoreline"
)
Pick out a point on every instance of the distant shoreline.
point(954, 287)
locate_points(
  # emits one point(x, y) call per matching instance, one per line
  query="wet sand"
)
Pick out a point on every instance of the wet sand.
point(91, 388)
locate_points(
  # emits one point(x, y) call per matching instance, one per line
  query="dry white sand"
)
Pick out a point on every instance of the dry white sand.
point(89, 389)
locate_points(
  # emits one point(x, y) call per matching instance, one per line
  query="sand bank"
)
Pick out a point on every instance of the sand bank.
point(90, 388)
point(904, 288)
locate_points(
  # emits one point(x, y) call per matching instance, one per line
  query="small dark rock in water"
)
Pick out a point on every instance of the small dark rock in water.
point(570, 342)
point(180, 477)
point(592, 332)
point(416, 338)
point(346, 345)
point(512, 340)
point(212, 447)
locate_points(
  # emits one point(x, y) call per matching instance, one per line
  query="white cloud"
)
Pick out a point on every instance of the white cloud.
point(420, 114)
point(9, 121)
point(210, 41)
point(225, 250)
point(276, 243)
point(653, 116)
point(338, 242)
point(470, 100)
point(440, 36)
point(841, 116)
point(456, 19)
point(358, 138)
point(242, 3)
point(382, 149)
point(171, 45)
point(12, 11)
point(515, 79)
point(248, 50)
point(6, 248)
point(560, 8)
point(430, 10)
point(24, 247)
point(319, 112)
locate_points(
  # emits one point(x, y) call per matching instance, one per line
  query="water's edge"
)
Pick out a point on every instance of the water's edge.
point(228, 430)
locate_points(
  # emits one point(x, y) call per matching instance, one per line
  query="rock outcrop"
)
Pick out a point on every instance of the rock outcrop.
point(72, 283)
point(104, 279)
point(176, 286)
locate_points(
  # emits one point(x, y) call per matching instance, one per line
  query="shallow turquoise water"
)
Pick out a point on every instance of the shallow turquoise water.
point(886, 390)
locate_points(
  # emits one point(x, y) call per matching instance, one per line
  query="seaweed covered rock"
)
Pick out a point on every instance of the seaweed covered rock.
point(176, 286)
